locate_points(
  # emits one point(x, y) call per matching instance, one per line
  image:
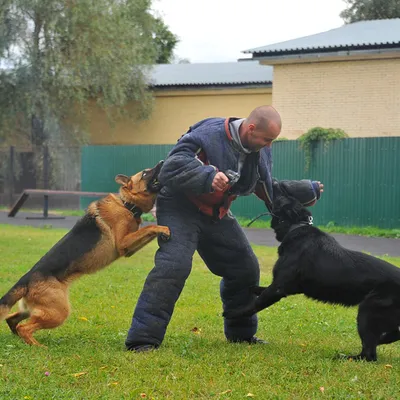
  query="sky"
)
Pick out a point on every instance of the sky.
point(219, 30)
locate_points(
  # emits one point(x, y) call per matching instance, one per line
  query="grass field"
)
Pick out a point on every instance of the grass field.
point(85, 358)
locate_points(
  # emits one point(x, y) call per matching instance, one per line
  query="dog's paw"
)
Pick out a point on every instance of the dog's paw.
point(12, 325)
point(164, 237)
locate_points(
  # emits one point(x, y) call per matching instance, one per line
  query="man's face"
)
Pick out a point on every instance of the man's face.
point(257, 139)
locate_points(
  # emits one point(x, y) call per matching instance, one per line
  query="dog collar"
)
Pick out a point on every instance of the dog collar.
point(301, 223)
point(133, 208)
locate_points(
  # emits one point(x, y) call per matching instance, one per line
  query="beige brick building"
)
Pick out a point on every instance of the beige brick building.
point(185, 94)
point(346, 78)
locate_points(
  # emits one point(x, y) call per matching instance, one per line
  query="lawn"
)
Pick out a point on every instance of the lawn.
point(85, 358)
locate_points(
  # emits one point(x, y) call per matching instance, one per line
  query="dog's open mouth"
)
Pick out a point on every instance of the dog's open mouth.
point(153, 184)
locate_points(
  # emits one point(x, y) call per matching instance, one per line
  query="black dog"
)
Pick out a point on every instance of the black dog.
point(314, 263)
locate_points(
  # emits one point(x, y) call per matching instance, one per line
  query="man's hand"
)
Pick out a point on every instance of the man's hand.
point(321, 189)
point(220, 182)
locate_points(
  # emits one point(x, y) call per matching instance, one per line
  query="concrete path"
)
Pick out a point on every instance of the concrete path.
point(264, 237)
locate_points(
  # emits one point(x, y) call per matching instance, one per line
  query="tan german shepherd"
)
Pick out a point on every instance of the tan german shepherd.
point(109, 230)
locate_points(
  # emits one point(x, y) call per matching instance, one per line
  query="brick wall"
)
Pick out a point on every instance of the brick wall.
point(361, 97)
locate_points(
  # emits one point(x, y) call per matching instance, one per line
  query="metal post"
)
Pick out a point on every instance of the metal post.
point(45, 167)
point(46, 206)
point(11, 175)
point(45, 180)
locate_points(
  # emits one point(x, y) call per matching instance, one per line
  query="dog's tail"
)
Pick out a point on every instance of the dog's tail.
point(17, 292)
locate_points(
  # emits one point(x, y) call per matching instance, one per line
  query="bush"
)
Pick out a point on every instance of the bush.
point(317, 134)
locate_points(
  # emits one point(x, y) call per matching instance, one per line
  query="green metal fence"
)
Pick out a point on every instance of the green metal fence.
point(361, 177)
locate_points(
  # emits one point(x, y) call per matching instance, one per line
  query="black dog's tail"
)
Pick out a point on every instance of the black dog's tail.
point(17, 292)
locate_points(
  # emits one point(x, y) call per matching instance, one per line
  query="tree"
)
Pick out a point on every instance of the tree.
point(165, 42)
point(57, 57)
point(361, 10)
point(183, 61)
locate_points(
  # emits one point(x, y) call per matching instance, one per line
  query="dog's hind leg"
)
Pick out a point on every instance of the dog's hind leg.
point(49, 309)
point(370, 323)
point(41, 319)
point(14, 319)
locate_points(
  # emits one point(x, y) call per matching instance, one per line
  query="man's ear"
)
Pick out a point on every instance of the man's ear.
point(122, 180)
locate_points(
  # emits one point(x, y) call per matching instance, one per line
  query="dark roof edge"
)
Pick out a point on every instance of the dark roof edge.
point(253, 85)
point(329, 49)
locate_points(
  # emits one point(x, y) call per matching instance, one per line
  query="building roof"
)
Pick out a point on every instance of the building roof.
point(361, 35)
point(244, 73)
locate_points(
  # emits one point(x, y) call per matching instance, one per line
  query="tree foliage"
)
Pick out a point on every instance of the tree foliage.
point(317, 134)
point(165, 42)
point(361, 10)
point(59, 55)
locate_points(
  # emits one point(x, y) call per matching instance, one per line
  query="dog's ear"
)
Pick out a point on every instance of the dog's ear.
point(280, 203)
point(295, 210)
point(122, 180)
point(288, 208)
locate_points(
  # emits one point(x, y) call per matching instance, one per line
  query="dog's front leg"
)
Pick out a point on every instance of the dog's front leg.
point(134, 241)
point(269, 296)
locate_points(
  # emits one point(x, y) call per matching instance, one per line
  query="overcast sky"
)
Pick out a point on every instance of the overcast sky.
point(218, 30)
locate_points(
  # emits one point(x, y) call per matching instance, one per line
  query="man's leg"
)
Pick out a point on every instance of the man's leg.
point(225, 249)
point(173, 263)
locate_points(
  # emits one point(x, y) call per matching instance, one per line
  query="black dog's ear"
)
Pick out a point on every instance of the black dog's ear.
point(288, 208)
point(292, 210)
point(280, 203)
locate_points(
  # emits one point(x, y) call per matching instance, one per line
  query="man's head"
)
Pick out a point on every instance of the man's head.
point(260, 128)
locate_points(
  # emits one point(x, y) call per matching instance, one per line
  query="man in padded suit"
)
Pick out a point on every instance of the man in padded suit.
point(194, 203)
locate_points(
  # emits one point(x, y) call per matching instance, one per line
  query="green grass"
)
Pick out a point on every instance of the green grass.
point(297, 364)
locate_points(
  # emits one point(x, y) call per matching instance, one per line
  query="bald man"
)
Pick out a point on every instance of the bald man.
point(215, 161)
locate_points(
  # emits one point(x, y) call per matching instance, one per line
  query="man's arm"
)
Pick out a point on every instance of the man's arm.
point(184, 171)
point(306, 191)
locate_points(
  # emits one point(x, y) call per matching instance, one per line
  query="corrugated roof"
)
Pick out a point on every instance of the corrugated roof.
point(211, 74)
point(368, 34)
